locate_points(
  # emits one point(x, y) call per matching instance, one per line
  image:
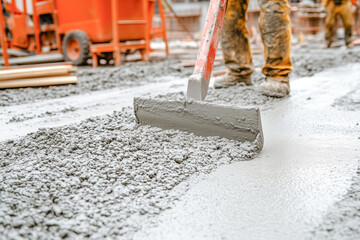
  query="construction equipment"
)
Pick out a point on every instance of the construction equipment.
point(194, 115)
point(82, 29)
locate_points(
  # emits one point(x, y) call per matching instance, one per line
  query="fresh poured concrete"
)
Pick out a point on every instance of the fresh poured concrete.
point(311, 153)
point(19, 120)
point(102, 176)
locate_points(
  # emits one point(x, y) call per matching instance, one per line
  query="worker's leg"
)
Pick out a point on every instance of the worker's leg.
point(347, 19)
point(235, 45)
point(274, 23)
point(356, 20)
point(330, 22)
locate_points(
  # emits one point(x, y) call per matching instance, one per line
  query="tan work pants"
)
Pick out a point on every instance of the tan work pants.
point(274, 23)
point(344, 11)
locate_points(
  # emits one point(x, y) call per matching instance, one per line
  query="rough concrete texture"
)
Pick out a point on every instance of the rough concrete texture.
point(350, 101)
point(139, 73)
point(343, 220)
point(101, 178)
point(90, 80)
point(107, 177)
point(310, 156)
point(238, 95)
point(309, 62)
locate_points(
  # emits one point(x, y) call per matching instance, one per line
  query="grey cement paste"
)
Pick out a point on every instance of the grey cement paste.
point(102, 78)
point(307, 60)
point(343, 220)
point(106, 176)
point(307, 165)
point(101, 178)
point(349, 102)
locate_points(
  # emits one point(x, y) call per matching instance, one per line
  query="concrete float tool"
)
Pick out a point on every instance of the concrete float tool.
point(193, 114)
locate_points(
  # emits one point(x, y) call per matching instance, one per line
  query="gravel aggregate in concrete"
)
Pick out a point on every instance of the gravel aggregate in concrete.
point(134, 74)
point(308, 63)
point(316, 94)
point(22, 117)
point(305, 65)
point(90, 79)
point(349, 102)
point(101, 178)
point(106, 176)
point(239, 95)
point(343, 219)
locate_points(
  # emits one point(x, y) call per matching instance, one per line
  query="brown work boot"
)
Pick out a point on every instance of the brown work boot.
point(350, 45)
point(274, 87)
point(228, 80)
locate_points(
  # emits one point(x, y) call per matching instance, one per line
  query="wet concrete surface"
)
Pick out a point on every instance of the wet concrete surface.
point(308, 60)
point(104, 177)
point(79, 173)
point(310, 157)
point(133, 74)
point(19, 120)
point(342, 219)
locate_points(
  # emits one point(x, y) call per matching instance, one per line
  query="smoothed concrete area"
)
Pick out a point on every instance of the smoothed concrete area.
point(75, 165)
point(19, 120)
point(310, 156)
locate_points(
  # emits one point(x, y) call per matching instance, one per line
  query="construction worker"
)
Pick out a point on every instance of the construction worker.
point(274, 23)
point(342, 8)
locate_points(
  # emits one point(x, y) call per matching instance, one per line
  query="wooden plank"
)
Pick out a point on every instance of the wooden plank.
point(38, 82)
point(39, 65)
point(34, 72)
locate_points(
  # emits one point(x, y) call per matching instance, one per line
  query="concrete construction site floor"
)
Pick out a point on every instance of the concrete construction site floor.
point(311, 154)
point(74, 165)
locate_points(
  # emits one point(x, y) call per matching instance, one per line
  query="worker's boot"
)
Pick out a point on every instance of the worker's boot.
point(328, 45)
point(350, 45)
point(275, 87)
point(229, 79)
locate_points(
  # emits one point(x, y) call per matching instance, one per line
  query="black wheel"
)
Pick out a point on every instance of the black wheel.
point(76, 47)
